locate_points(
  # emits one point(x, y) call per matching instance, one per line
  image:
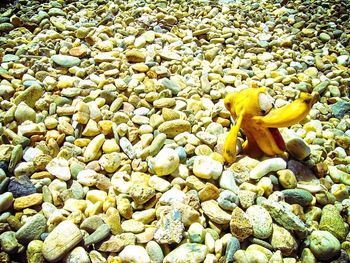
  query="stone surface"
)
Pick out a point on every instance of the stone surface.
point(196, 252)
point(240, 224)
point(62, 239)
point(332, 221)
point(32, 229)
point(260, 220)
point(166, 161)
point(132, 253)
point(283, 240)
point(324, 245)
point(21, 186)
point(207, 168)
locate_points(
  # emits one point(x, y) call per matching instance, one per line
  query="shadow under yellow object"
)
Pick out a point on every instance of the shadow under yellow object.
point(262, 136)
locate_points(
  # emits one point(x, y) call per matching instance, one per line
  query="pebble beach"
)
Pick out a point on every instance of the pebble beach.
point(112, 127)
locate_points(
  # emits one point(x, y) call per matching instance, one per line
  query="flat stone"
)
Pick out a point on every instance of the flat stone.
point(332, 221)
point(135, 56)
point(196, 252)
point(65, 236)
point(21, 186)
point(28, 201)
point(207, 168)
point(261, 221)
point(170, 228)
point(65, 60)
point(215, 213)
point(174, 127)
point(59, 168)
point(166, 162)
point(283, 240)
point(240, 224)
point(133, 253)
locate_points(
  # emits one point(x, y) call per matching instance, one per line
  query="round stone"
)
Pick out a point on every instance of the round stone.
point(166, 161)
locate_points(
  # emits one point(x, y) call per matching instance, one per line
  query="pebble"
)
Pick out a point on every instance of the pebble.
point(93, 148)
point(28, 201)
point(65, 60)
point(267, 166)
point(166, 162)
point(174, 127)
point(260, 220)
point(98, 235)
point(283, 240)
point(324, 245)
point(297, 196)
point(196, 233)
point(78, 254)
point(34, 253)
point(170, 228)
point(9, 243)
point(155, 252)
point(21, 186)
point(133, 253)
point(232, 246)
point(298, 148)
point(32, 229)
point(287, 179)
point(240, 224)
point(61, 240)
point(332, 221)
point(59, 168)
point(228, 200)
point(227, 181)
point(207, 168)
point(196, 252)
point(212, 209)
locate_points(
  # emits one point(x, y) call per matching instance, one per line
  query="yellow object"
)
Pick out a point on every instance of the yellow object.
point(252, 111)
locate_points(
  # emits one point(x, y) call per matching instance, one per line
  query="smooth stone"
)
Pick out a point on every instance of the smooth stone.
point(324, 37)
point(127, 147)
point(333, 222)
point(133, 226)
point(93, 147)
point(24, 112)
point(340, 108)
point(172, 196)
point(232, 246)
point(166, 162)
point(90, 224)
point(64, 237)
point(298, 148)
point(261, 221)
point(65, 60)
point(110, 162)
point(207, 168)
point(267, 166)
point(240, 224)
point(98, 235)
point(171, 85)
point(10, 58)
point(32, 229)
point(28, 201)
point(159, 184)
point(6, 200)
point(196, 233)
point(59, 168)
point(174, 127)
point(195, 252)
point(30, 95)
point(287, 179)
point(215, 213)
point(133, 253)
point(78, 254)
point(298, 196)
point(141, 194)
point(21, 186)
point(283, 240)
point(155, 252)
point(324, 245)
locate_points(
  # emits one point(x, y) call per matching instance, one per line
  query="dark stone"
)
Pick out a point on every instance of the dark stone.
point(340, 108)
point(5, 167)
point(21, 186)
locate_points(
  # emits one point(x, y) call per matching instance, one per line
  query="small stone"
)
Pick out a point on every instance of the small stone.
point(209, 191)
point(79, 51)
point(21, 186)
point(166, 161)
point(324, 245)
point(282, 215)
point(127, 147)
point(171, 85)
point(132, 253)
point(340, 108)
point(267, 166)
point(110, 162)
point(287, 179)
point(133, 226)
point(246, 198)
point(34, 254)
point(28, 201)
point(207, 168)
point(98, 235)
point(6, 200)
point(135, 56)
point(232, 246)
point(298, 196)
point(172, 196)
point(141, 194)
point(65, 236)
point(332, 221)
point(196, 233)
point(78, 254)
point(155, 252)
point(91, 223)
point(59, 167)
point(261, 221)
point(228, 200)
point(195, 252)
point(228, 182)
point(240, 224)
point(9, 243)
point(174, 127)
point(24, 112)
point(283, 240)
point(324, 37)
point(170, 228)
point(298, 148)
point(32, 229)
point(65, 60)
point(215, 213)
point(93, 148)
point(159, 184)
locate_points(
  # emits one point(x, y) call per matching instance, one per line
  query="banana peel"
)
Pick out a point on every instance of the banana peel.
point(260, 124)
